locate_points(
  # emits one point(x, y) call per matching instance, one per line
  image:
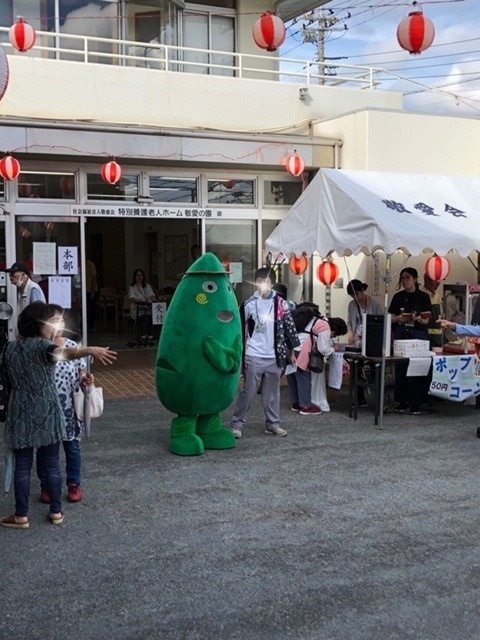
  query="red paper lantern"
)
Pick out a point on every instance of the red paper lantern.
point(4, 72)
point(111, 172)
point(298, 265)
point(269, 31)
point(327, 272)
point(9, 168)
point(22, 35)
point(416, 32)
point(437, 268)
point(295, 164)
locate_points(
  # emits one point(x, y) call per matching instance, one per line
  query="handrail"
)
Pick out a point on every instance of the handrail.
point(173, 58)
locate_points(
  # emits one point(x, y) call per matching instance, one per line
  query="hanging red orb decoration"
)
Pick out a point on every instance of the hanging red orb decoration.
point(9, 168)
point(416, 32)
point(269, 31)
point(437, 268)
point(327, 272)
point(111, 172)
point(22, 35)
point(4, 72)
point(295, 164)
point(298, 265)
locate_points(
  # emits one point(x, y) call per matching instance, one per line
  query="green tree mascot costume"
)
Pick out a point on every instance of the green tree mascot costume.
point(199, 357)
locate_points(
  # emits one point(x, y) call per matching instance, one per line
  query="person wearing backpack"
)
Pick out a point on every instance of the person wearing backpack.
point(299, 379)
point(324, 329)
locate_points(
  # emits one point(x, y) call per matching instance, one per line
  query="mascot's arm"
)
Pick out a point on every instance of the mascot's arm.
point(223, 359)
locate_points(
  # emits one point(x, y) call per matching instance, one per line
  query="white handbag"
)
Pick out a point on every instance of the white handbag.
point(95, 398)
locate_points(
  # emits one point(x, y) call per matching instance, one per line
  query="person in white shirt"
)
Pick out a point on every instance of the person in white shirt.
point(267, 325)
point(141, 297)
point(28, 291)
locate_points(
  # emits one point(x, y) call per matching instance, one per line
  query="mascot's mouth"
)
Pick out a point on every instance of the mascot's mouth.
point(225, 316)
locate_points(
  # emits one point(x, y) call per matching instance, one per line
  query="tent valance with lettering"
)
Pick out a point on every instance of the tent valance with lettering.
point(361, 211)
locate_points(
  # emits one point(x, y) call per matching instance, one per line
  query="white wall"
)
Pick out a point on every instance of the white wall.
point(377, 140)
point(59, 90)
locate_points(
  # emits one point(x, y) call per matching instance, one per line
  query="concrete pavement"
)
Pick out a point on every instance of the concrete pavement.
point(337, 532)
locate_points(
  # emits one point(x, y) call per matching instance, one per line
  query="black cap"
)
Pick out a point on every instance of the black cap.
point(18, 266)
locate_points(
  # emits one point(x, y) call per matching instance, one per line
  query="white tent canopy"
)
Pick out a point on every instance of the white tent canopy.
point(354, 211)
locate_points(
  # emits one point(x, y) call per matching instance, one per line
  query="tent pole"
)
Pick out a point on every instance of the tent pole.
point(385, 346)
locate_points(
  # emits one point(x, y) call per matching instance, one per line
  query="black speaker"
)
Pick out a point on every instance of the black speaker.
point(372, 337)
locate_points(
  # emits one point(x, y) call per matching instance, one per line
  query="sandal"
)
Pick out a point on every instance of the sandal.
point(12, 522)
point(58, 520)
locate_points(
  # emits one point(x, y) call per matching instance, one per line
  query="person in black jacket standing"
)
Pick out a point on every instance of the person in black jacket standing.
point(411, 311)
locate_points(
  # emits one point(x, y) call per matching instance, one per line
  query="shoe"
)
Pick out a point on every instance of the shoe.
point(362, 404)
point(74, 493)
point(58, 520)
point(311, 410)
point(295, 407)
point(417, 412)
point(237, 433)
point(45, 496)
point(276, 431)
point(402, 408)
point(11, 521)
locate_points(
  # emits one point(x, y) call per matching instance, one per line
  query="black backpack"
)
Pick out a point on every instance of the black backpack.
point(304, 313)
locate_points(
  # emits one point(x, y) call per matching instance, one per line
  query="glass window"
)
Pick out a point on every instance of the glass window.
point(62, 232)
point(235, 245)
point(206, 30)
point(98, 189)
point(54, 185)
point(81, 17)
point(231, 191)
point(2, 189)
point(165, 189)
point(278, 192)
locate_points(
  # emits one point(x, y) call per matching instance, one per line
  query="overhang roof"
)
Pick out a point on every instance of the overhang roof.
point(288, 9)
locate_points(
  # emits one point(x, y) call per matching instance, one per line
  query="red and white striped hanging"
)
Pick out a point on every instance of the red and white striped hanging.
point(327, 272)
point(269, 31)
point(111, 172)
point(9, 167)
point(22, 35)
point(4, 72)
point(437, 268)
point(295, 164)
point(416, 32)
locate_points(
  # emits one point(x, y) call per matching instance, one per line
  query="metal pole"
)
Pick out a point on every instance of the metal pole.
point(388, 279)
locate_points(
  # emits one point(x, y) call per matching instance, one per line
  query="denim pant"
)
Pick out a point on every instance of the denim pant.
point(300, 387)
point(73, 464)
point(48, 462)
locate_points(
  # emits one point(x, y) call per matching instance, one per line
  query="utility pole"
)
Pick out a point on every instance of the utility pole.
point(318, 24)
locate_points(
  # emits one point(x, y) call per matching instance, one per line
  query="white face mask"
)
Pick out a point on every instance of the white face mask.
point(19, 283)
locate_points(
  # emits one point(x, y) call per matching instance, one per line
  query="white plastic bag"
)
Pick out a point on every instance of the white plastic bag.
point(95, 399)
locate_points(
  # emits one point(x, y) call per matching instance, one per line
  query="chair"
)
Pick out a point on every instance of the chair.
point(109, 300)
point(128, 321)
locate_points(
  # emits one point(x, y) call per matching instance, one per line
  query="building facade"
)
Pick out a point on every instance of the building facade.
point(200, 120)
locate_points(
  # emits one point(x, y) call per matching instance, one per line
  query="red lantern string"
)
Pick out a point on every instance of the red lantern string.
point(111, 172)
point(22, 35)
point(327, 272)
point(415, 33)
point(298, 265)
point(269, 31)
point(4, 72)
point(295, 164)
point(9, 167)
point(437, 268)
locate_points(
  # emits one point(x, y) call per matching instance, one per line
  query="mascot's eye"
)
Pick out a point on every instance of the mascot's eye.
point(209, 286)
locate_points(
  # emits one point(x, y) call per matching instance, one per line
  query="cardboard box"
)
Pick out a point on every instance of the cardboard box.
point(411, 348)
